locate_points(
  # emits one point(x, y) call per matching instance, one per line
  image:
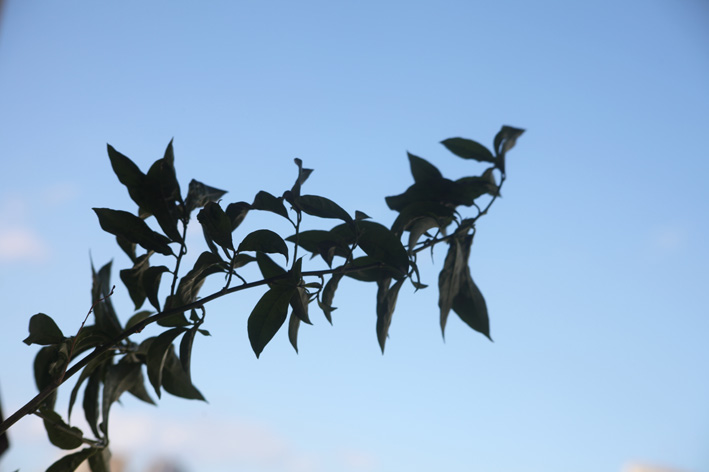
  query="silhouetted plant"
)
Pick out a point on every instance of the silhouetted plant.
point(429, 213)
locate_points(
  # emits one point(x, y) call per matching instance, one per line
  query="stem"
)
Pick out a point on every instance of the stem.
point(32, 405)
point(183, 251)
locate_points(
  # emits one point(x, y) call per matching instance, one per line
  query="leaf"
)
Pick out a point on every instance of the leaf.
point(127, 247)
point(328, 295)
point(470, 305)
point(423, 170)
point(175, 379)
point(268, 316)
point(386, 302)
point(378, 242)
point(90, 402)
point(266, 202)
point(410, 214)
point(151, 284)
point(450, 278)
point(104, 313)
point(216, 225)
point(43, 331)
point(468, 149)
point(439, 191)
point(71, 462)
point(361, 215)
point(236, 213)
point(199, 194)
point(137, 318)
point(186, 350)
point(264, 240)
point(85, 374)
point(160, 192)
point(323, 243)
point(138, 389)
point(119, 378)
point(300, 302)
point(268, 267)
point(61, 434)
point(42, 372)
point(293, 326)
point(322, 207)
point(130, 227)
point(207, 264)
point(157, 354)
point(374, 271)
point(125, 169)
point(506, 138)
point(101, 461)
point(133, 280)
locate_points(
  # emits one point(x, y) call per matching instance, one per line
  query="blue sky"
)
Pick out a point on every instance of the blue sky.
point(593, 264)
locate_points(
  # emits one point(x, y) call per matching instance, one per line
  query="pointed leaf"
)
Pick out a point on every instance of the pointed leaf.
point(322, 207)
point(175, 379)
point(379, 242)
point(423, 170)
point(61, 434)
point(216, 224)
point(268, 267)
point(157, 354)
point(450, 278)
point(236, 213)
point(293, 326)
point(386, 302)
point(100, 461)
point(300, 302)
point(130, 227)
point(268, 316)
point(71, 462)
point(151, 284)
point(199, 194)
point(328, 295)
point(186, 350)
point(468, 149)
point(266, 202)
point(43, 331)
point(470, 306)
point(264, 240)
point(119, 378)
point(506, 138)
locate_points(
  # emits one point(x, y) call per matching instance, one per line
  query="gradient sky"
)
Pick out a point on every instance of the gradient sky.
point(593, 264)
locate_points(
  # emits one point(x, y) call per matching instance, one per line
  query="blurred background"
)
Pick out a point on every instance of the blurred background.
point(593, 263)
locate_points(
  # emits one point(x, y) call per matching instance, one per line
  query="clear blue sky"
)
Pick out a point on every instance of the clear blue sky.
point(593, 264)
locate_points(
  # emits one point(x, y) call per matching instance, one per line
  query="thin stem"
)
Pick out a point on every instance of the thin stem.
point(183, 251)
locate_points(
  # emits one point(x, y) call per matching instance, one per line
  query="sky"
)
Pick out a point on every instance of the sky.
point(593, 264)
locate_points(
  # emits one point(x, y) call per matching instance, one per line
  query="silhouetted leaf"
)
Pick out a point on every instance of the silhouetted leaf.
point(410, 214)
point(293, 326)
point(236, 213)
point(266, 202)
point(323, 243)
point(506, 138)
point(468, 149)
point(328, 295)
point(119, 378)
point(268, 316)
point(43, 375)
point(379, 242)
point(372, 270)
point(267, 267)
point(470, 305)
point(61, 434)
point(43, 331)
point(130, 227)
point(137, 318)
point(133, 280)
point(176, 380)
point(104, 313)
point(264, 240)
point(423, 170)
point(300, 302)
point(322, 207)
point(186, 350)
point(216, 224)
point(71, 462)
point(101, 460)
point(199, 194)
point(450, 278)
point(361, 215)
point(157, 354)
point(90, 402)
point(161, 192)
point(127, 247)
point(386, 302)
point(151, 284)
